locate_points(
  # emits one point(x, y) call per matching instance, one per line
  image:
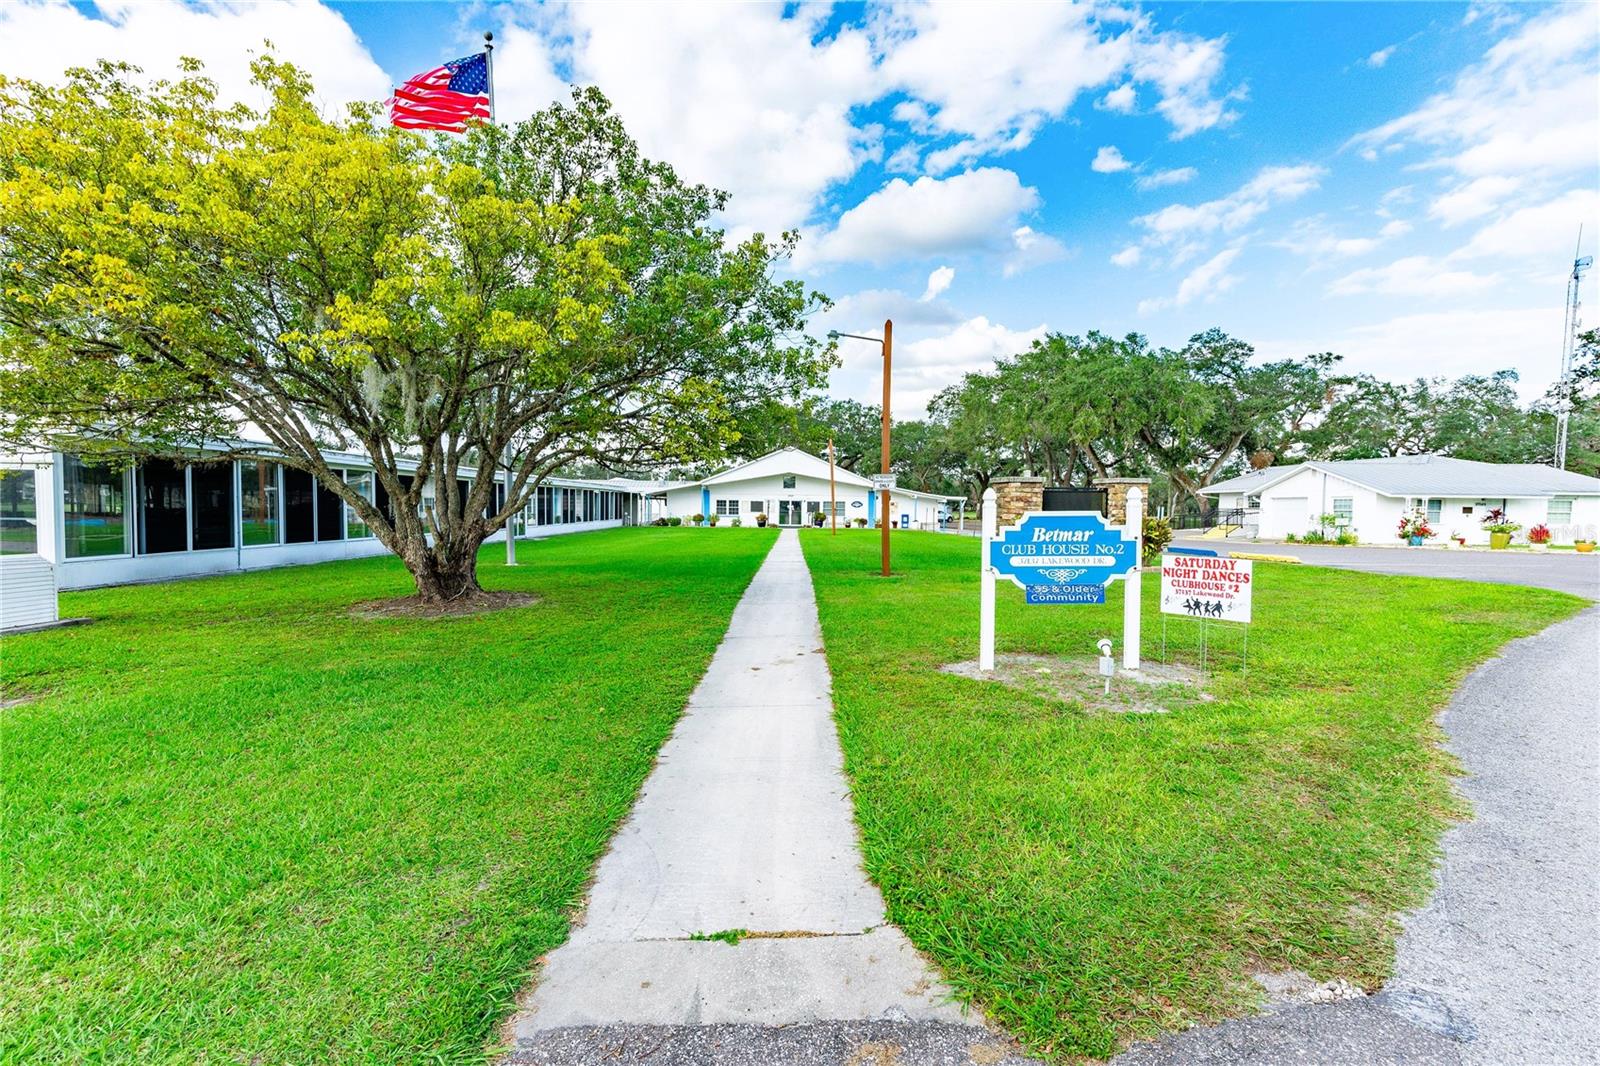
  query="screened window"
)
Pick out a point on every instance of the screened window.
point(19, 513)
point(299, 507)
point(758, 506)
point(330, 514)
point(163, 510)
point(1560, 511)
point(542, 507)
point(788, 482)
point(727, 506)
point(1343, 509)
point(258, 502)
point(567, 504)
point(211, 505)
point(94, 509)
point(361, 481)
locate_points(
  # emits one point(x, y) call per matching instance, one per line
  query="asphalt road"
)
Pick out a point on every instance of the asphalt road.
point(1502, 965)
point(1561, 570)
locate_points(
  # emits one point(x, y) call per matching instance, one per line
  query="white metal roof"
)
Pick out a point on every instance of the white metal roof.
point(789, 460)
point(1428, 475)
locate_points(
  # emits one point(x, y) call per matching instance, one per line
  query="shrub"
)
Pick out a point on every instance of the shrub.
point(737, 522)
point(1292, 538)
point(659, 522)
point(1347, 536)
point(1157, 535)
point(818, 519)
point(674, 521)
point(1315, 536)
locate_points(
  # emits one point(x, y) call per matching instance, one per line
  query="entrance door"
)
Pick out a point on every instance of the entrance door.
point(789, 512)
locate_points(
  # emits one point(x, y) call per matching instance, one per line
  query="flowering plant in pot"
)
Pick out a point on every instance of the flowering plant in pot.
point(761, 520)
point(1500, 528)
point(698, 519)
point(1539, 535)
point(1414, 529)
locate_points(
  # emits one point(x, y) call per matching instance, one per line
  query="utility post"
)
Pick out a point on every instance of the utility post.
point(888, 338)
point(833, 492)
point(987, 519)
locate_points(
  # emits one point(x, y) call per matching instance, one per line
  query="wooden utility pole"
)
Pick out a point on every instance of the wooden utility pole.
point(888, 342)
point(833, 493)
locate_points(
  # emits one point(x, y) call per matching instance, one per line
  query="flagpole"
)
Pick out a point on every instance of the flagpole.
point(488, 63)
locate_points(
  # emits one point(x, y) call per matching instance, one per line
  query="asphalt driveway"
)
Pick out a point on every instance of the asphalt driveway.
point(1564, 571)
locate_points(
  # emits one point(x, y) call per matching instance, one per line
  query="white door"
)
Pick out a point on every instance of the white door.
point(1284, 514)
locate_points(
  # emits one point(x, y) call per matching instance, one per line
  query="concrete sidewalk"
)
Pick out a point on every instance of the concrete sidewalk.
point(745, 824)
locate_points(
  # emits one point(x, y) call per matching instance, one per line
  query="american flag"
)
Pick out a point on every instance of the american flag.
point(444, 98)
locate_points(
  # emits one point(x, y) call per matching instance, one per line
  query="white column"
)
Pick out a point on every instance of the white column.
point(1130, 590)
point(986, 593)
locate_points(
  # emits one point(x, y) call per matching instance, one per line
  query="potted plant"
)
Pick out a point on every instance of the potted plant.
point(711, 521)
point(736, 523)
point(1414, 529)
point(1500, 528)
point(861, 523)
point(1583, 539)
point(1583, 545)
point(1460, 539)
point(761, 520)
point(698, 519)
point(675, 521)
point(1539, 536)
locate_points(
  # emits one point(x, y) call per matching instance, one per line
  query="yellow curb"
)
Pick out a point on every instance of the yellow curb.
point(1263, 557)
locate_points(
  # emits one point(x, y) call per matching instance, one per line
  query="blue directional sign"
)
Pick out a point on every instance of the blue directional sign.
point(1063, 556)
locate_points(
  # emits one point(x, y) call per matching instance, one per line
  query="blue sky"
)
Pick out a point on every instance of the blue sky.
point(1401, 183)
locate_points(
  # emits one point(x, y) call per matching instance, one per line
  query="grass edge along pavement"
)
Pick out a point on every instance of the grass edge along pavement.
point(241, 823)
point(1091, 878)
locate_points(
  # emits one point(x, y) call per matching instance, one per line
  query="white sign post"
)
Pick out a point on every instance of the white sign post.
point(986, 593)
point(1130, 583)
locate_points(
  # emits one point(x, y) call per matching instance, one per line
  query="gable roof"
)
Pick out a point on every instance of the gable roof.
point(1427, 475)
point(786, 461)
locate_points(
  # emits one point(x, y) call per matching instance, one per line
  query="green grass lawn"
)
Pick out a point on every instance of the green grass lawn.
point(241, 825)
point(1090, 878)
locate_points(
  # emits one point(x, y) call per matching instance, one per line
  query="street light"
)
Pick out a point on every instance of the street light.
point(887, 341)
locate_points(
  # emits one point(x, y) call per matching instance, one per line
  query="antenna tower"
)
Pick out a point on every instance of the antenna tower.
point(1569, 347)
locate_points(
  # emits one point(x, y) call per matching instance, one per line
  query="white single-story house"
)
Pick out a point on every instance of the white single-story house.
point(789, 486)
point(1370, 496)
point(99, 524)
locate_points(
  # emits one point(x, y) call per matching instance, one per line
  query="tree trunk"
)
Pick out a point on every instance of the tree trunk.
point(443, 576)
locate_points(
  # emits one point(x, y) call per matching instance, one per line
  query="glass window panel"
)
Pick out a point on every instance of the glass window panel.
point(361, 481)
point(1560, 510)
point(19, 513)
point(258, 502)
point(163, 514)
point(758, 506)
point(1435, 511)
point(299, 507)
point(211, 505)
point(788, 482)
point(94, 509)
point(330, 514)
point(1343, 509)
point(543, 510)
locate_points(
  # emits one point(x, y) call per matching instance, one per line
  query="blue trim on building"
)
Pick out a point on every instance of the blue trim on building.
point(705, 502)
point(872, 507)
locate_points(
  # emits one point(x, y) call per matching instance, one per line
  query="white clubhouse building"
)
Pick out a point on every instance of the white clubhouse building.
point(790, 486)
point(98, 524)
point(1370, 496)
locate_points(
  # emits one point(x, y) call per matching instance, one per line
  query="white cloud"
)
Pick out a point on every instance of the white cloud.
point(1529, 107)
point(781, 92)
point(1160, 179)
point(928, 364)
point(1205, 281)
point(1029, 249)
point(1469, 340)
point(938, 282)
point(1230, 213)
point(975, 211)
point(1108, 160)
point(1414, 275)
point(1129, 256)
point(1123, 99)
point(41, 40)
point(1473, 199)
point(1027, 64)
point(1312, 237)
point(1381, 56)
point(1540, 234)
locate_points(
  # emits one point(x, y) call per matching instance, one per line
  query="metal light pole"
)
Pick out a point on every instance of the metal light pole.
point(833, 492)
point(887, 341)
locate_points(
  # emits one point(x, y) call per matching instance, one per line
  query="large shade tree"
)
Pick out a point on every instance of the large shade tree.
point(178, 273)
